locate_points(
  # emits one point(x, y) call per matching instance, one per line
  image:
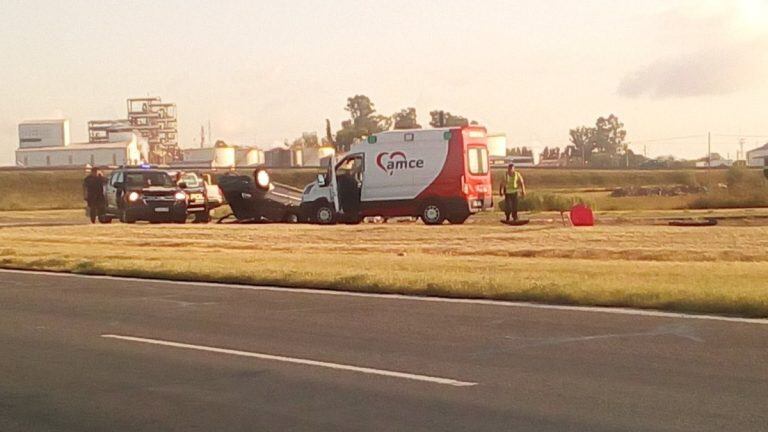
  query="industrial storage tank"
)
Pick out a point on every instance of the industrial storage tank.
point(223, 157)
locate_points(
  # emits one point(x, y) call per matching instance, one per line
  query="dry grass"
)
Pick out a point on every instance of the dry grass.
point(717, 270)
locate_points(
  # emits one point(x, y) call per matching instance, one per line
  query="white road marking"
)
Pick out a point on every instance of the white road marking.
point(306, 362)
point(499, 303)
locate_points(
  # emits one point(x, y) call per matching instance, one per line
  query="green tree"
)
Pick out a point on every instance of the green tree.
point(306, 140)
point(363, 122)
point(441, 118)
point(406, 119)
point(610, 135)
point(583, 142)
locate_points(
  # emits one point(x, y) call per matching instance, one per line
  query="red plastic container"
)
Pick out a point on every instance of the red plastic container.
point(581, 215)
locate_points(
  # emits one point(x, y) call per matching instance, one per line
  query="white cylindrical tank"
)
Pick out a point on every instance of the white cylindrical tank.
point(297, 158)
point(223, 157)
point(254, 157)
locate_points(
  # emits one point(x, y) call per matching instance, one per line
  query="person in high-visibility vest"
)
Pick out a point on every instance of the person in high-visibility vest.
point(512, 184)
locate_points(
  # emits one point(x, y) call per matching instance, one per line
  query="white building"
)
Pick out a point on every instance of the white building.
point(311, 156)
point(215, 157)
point(105, 154)
point(43, 133)
point(497, 148)
point(758, 157)
point(715, 163)
point(46, 144)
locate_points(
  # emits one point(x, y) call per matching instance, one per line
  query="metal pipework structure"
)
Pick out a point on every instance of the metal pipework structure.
point(156, 121)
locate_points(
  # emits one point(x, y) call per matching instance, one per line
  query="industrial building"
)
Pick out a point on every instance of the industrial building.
point(156, 121)
point(46, 143)
point(279, 157)
point(758, 157)
point(497, 148)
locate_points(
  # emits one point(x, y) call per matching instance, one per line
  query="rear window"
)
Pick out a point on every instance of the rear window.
point(477, 161)
point(147, 179)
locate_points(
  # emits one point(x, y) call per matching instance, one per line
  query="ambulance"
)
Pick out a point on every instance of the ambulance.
point(433, 174)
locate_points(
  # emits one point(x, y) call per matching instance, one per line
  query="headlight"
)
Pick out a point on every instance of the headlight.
point(262, 179)
point(133, 196)
point(180, 196)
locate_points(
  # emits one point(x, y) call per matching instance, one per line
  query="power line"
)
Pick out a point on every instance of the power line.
point(667, 139)
point(740, 136)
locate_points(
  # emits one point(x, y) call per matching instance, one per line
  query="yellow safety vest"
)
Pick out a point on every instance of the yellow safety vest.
point(513, 182)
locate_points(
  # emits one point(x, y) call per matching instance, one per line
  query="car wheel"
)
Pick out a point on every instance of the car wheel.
point(433, 214)
point(203, 217)
point(124, 218)
point(325, 214)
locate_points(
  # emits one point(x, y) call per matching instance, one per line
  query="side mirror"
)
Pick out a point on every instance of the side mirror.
point(321, 180)
point(183, 185)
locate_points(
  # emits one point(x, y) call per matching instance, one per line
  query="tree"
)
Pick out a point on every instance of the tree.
point(364, 122)
point(550, 153)
point(610, 135)
point(445, 119)
point(520, 151)
point(582, 139)
point(307, 140)
point(406, 119)
point(606, 139)
point(328, 140)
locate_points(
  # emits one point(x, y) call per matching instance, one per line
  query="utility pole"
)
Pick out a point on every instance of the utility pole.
point(709, 155)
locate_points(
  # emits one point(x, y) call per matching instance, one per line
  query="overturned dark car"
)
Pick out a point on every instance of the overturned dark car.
point(255, 199)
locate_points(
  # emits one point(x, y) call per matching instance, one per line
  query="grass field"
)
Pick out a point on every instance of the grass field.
point(721, 270)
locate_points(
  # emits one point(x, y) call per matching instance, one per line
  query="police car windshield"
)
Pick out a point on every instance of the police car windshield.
point(148, 179)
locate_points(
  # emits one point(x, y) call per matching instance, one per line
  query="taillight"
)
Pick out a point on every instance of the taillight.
point(464, 186)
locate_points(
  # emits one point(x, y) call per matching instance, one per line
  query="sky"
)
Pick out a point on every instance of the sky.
point(671, 70)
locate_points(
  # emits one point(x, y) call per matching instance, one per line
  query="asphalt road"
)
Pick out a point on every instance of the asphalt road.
point(81, 354)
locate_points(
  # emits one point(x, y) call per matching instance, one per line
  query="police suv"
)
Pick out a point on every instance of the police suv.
point(144, 194)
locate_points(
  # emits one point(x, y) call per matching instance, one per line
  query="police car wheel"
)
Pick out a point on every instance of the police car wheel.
point(324, 215)
point(432, 214)
point(124, 218)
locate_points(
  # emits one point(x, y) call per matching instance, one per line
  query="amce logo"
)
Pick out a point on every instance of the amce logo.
point(396, 161)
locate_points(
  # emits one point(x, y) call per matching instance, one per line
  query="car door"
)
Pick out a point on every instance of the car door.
point(112, 190)
point(333, 184)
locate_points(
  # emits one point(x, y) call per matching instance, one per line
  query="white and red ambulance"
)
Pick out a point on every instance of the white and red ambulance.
point(435, 174)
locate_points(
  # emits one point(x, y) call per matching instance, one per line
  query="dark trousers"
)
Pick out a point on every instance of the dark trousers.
point(510, 205)
point(95, 210)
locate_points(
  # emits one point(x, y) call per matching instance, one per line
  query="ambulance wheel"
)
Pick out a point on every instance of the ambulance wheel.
point(324, 214)
point(458, 219)
point(433, 214)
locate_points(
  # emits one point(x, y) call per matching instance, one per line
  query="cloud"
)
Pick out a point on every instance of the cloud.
point(715, 71)
point(731, 54)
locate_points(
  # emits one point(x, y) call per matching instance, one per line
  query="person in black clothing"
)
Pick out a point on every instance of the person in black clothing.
point(93, 191)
